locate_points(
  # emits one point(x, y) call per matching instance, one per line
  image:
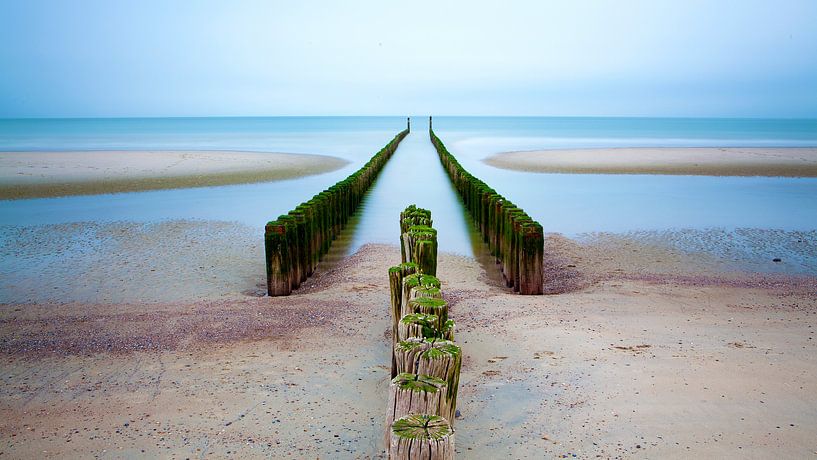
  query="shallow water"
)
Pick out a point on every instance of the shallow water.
point(570, 204)
point(578, 203)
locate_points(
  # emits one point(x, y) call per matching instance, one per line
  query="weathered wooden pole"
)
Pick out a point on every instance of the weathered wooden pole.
point(421, 437)
point(416, 394)
point(426, 255)
point(396, 275)
point(429, 306)
point(277, 254)
point(424, 326)
point(438, 358)
point(417, 280)
point(533, 244)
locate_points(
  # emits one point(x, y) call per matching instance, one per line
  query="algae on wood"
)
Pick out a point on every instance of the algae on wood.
point(396, 275)
point(437, 358)
point(421, 437)
point(416, 394)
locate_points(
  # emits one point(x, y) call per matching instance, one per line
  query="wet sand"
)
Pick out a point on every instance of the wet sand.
point(683, 357)
point(46, 174)
point(788, 162)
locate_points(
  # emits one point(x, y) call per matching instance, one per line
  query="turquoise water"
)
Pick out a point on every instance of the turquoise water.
point(571, 204)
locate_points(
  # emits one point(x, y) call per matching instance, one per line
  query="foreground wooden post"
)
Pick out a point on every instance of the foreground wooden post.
point(437, 358)
point(277, 253)
point(416, 394)
point(531, 265)
point(421, 437)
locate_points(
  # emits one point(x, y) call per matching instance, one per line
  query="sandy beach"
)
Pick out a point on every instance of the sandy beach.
point(644, 348)
point(44, 174)
point(788, 162)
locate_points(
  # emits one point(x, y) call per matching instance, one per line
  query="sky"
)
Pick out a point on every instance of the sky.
point(103, 58)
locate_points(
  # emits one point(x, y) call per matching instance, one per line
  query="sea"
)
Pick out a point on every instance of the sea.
point(570, 204)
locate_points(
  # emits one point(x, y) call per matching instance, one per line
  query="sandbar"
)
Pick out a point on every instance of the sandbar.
point(778, 161)
point(48, 174)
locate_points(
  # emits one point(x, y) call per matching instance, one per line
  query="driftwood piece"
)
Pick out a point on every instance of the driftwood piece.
point(421, 437)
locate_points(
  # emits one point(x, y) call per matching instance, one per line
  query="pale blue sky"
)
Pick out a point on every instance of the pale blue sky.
point(198, 58)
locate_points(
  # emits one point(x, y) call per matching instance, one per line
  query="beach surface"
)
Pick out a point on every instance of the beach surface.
point(644, 348)
point(787, 162)
point(45, 174)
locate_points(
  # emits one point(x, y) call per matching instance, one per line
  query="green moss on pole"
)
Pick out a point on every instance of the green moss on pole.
point(429, 306)
point(416, 394)
point(417, 280)
point(438, 358)
point(277, 255)
point(396, 275)
point(421, 436)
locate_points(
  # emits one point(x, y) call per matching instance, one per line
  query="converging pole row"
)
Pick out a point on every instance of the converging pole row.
point(513, 237)
point(295, 242)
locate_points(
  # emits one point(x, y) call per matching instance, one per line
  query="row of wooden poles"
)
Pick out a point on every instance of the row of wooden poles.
point(426, 363)
point(295, 242)
point(512, 236)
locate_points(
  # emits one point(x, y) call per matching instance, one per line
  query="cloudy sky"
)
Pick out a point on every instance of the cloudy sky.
point(76, 58)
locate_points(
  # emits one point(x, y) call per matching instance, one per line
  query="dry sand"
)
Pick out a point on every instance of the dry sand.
point(43, 174)
point(683, 357)
point(789, 162)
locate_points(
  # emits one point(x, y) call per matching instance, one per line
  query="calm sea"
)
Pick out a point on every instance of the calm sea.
point(570, 204)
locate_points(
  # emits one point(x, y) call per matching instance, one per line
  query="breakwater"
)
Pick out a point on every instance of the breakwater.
point(425, 367)
point(295, 242)
point(513, 237)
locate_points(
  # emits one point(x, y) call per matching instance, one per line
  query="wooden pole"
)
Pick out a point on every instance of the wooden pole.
point(532, 270)
point(438, 358)
point(417, 280)
point(429, 306)
point(416, 394)
point(421, 437)
point(396, 275)
point(276, 249)
point(424, 326)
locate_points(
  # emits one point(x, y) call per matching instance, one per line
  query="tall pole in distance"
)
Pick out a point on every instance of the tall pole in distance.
point(429, 122)
point(408, 124)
